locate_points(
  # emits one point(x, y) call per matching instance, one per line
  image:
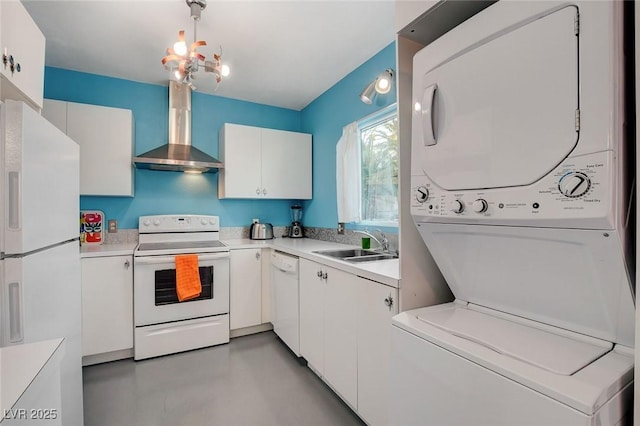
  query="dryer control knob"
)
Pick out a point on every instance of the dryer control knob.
point(422, 193)
point(203, 221)
point(574, 184)
point(156, 222)
point(457, 206)
point(147, 222)
point(212, 221)
point(480, 205)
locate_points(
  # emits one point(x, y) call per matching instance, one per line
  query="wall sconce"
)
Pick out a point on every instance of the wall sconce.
point(381, 85)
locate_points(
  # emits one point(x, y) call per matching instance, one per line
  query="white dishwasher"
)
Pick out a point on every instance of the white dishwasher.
point(285, 312)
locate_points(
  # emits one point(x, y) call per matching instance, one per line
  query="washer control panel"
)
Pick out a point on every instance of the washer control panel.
point(579, 188)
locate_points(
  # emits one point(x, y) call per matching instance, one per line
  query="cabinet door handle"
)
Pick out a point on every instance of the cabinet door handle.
point(325, 276)
point(127, 264)
point(257, 255)
point(257, 191)
point(15, 313)
point(319, 273)
point(388, 302)
point(264, 191)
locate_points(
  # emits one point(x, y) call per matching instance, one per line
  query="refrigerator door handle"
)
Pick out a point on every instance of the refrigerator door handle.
point(15, 313)
point(13, 180)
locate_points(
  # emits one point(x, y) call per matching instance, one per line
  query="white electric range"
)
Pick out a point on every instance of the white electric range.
point(163, 325)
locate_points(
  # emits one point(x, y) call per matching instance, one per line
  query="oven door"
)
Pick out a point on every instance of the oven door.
point(155, 298)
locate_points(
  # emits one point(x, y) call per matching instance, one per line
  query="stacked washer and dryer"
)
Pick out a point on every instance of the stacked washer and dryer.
point(521, 194)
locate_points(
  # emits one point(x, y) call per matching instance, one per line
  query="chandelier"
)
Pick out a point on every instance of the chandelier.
point(185, 62)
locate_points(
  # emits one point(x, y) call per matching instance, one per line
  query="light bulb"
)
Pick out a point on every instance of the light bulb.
point(178, 75)
point(180, 47)
point(225, 70)
point(383, 82)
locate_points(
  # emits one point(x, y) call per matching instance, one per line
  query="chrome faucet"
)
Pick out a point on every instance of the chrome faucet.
point(383, 242)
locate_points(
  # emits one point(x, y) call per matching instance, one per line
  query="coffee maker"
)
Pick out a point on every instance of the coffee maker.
point(295, 230)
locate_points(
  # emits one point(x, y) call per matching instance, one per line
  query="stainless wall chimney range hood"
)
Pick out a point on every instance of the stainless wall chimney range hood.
point(178, 155)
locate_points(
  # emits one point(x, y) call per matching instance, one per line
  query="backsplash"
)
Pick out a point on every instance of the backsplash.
point(242, 232)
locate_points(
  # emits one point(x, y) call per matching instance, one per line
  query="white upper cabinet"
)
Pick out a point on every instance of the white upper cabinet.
point(105, 136)
point(264, 163)
point(22, 50)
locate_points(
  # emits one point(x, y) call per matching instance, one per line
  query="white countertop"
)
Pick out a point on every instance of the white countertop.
point(19, 366)
point(100, 250)
point(383, 271)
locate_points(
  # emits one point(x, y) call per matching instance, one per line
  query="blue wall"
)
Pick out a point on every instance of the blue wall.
point(159, 192)
point(325, 117)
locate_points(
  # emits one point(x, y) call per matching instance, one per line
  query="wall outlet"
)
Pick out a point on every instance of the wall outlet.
point(341, 228)
point(255, 221)
point(113, 226)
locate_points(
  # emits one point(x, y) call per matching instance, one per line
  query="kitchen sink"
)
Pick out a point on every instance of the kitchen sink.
point(357, 255)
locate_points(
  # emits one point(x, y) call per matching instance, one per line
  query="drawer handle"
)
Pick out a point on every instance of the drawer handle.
point(127, 264)
point(257, 255)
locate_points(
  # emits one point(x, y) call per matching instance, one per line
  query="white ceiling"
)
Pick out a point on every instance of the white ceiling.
point(281, 53)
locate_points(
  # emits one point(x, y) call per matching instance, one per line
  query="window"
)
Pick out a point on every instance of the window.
point(379, 169)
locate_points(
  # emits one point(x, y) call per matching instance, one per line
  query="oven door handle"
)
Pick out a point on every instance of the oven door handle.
point(154, 260)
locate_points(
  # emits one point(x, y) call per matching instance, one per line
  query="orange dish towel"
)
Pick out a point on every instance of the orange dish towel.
point(187, 277)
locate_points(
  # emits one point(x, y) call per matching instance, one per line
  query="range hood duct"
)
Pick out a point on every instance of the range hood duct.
point(178, 155)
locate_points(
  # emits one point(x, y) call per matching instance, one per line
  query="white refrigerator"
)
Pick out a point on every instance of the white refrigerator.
point(40, 260)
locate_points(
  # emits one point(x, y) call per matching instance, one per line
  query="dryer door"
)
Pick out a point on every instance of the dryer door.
point(502, 112)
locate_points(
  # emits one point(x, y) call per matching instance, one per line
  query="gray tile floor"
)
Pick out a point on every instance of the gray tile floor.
point(254, 380)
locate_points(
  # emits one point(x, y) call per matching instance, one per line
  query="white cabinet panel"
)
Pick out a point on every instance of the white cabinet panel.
point(107, 304)
point(105, 136)
point(264, 163)
point(286, 164)
point(241, 153)
point(377, 303)
point(328, 339)
point(340, 334)
point(245, 308)
point(22, 41)
point(312, 314)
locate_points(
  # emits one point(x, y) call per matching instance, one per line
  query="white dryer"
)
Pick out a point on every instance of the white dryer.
point(520, 193)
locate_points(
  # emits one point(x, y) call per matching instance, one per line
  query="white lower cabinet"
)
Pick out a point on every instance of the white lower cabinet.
point(345, 333)
point(107, 304)
point(328, 322)
point(377, 303)
point(245, 288)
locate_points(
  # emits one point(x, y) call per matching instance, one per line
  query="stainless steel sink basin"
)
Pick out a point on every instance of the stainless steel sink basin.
point(357, 255)
point(379, 256)
point(340, 254)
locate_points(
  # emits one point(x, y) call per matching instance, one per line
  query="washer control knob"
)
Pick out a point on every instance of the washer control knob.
point(146, 222)
point(156, 222)
point(480, 205)
point(422, 193)
point(457, 206)
point(212, 221)
point(203, 221)
point(574, 184)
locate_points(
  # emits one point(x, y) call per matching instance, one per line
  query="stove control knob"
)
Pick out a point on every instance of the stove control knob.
point(203, 221)
point(480, 205)
point(574, 184)
point(146, 222)
point(156, 222)
point(457, 206)
point(422, 193)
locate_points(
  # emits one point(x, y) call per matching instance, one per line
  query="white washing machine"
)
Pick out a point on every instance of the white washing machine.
point(520, 193)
